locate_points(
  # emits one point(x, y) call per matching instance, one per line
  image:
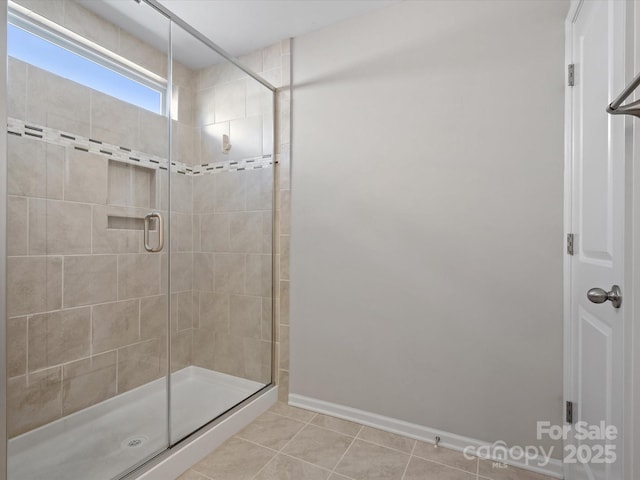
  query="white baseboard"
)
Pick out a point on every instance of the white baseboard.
point(412, 430)
point(184, 456)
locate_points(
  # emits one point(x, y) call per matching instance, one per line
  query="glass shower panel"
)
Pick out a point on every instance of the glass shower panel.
point(221, 234)
point(87, 302)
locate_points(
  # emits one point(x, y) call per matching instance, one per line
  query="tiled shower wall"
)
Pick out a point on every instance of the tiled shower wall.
point(86, 313)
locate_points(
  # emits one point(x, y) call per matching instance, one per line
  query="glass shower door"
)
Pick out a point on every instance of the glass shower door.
point(221, 234)
point(88, 301)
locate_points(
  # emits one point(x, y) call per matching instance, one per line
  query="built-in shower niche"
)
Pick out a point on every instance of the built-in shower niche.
point(131, 185)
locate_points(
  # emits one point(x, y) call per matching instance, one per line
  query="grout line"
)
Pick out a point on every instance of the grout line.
point(304, 425)
point(198, 472)
point(415, 443)
point(346, 451)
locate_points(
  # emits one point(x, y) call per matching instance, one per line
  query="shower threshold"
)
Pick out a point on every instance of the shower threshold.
point(103, 441)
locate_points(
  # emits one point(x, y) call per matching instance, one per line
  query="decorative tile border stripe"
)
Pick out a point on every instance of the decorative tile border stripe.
point(127, 155)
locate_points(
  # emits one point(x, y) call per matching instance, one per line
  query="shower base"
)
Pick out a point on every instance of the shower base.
point(103, 441)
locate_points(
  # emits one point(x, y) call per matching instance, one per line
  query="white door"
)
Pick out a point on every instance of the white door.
point(597, 216)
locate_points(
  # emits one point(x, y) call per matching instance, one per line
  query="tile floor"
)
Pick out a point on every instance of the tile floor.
point(288, 443)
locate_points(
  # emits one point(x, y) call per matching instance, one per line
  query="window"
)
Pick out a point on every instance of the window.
point(50, 51)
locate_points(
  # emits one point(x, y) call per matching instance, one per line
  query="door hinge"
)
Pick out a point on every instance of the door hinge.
point(570, 239)
point(569, 412)
point(571, 76)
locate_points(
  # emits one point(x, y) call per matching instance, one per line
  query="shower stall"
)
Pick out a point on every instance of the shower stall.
point(140, 213)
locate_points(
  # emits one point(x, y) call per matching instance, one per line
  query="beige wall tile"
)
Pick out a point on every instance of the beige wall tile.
point(204, 347)
point(89, 280)
point(111, 240)
point(257, 356)
point(229, 273)
point(258, 275)
point(205, 106)
point(230, 100)
point(245, 135)
point(211, 136)
point(245, 232)
point(17, 89)
point(35, 169)
point(142, 53)
point(271, 56)
point(85, 177)
point(215, 234)
point(286, 70)
point(267, 233)
point(259, 189)
point(181, 350)
point(184, 144)
point(132, 186)
point(284, 302)
point(284, 347)
point(138, 275)
point(285, 46)
point(139, 364)
point(203, 272)
point(267, 332)
point(181, 272)
point(16, 346)
point(285, 208)
point(197, 233)
point(185, 310)
point(228, 354)
point(245, 316)
point(153, 132)
point(88, 381)
point(57, 102)
point(153, 317)
point(214, 311)
point(259, 98)
point(252, 60)
point(283, 385)
point(229, 192)
point(285, 168)
point(219, 73)
point(273, 76)
point(33, 400)
point(203, 193)
point(115, 325)
point(182, 232)
point(34, 284)
point(184, 93)
point(114, 121)
point(17, 232)
point(59, 337)
point(57, 227)
point(284, 257)
point(91, 26)
point(181, 193)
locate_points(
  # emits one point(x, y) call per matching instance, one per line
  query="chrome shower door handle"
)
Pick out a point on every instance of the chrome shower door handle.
point(160, 226)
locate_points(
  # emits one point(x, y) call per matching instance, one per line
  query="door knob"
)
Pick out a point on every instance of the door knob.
point(598, 295)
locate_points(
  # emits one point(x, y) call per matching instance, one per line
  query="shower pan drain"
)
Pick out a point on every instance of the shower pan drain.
point(134, 442)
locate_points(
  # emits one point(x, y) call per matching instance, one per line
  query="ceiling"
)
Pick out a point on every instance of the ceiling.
point(238, 26)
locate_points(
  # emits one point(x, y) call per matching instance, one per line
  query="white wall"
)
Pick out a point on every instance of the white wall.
point(427, 215)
